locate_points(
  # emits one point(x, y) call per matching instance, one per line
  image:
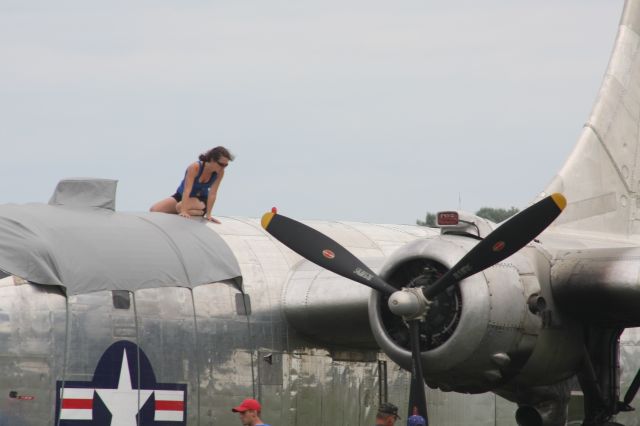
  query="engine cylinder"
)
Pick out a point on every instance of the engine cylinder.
point(478, 334)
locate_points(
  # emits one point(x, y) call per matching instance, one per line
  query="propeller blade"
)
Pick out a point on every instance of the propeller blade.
point(417, 396)
point(322, 250)
point(505, 240)
point(633, 389)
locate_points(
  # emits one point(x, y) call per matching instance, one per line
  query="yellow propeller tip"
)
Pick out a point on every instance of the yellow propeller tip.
point(266, 219)
point(559, 199)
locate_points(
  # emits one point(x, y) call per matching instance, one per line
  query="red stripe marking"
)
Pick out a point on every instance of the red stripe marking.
point(77, 404)
point(169, 405)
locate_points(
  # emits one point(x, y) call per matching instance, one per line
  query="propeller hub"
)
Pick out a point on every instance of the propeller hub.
point(409, 303)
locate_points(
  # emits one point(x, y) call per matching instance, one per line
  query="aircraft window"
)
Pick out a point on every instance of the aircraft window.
point(243, 304)
point(121, 299)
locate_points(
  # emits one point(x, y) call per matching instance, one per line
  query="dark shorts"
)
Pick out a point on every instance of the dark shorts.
point(178, 197)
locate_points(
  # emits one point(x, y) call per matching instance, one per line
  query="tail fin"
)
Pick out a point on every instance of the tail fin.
point(601, 177)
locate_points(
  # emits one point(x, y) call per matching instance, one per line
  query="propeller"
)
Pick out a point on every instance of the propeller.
point(412, 304)
point(417, 395)
point(322, 250)
point(504, 241)
point(625, 405)
point(329, 254)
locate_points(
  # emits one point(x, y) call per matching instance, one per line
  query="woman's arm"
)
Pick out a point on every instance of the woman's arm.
point(211, 199)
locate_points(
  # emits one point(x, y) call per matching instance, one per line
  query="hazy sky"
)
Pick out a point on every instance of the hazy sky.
point(373, 111)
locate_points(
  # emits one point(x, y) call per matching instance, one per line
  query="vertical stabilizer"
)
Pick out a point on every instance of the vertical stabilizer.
point(601, 177)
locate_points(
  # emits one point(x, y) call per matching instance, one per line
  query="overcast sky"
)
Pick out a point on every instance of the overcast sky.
point(373, 111)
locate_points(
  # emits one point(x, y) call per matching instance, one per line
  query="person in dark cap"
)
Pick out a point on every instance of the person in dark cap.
point(249, 412)
point(387, 414)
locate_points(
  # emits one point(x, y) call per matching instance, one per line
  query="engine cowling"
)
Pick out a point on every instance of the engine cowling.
point(484, 332)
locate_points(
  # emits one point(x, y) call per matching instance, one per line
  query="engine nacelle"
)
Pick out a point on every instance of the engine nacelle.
point(479, 335)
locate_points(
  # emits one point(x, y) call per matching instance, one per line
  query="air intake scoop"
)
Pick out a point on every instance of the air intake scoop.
point(85, 192)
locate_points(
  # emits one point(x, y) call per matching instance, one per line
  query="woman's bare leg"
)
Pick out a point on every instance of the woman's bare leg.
point(195, 207)
point(168, 205)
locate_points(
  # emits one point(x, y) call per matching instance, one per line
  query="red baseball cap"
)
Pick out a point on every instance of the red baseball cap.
point(247, 404)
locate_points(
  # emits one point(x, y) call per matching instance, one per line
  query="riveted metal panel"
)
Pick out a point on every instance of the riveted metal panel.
point(327, 307)
point(264, 264)
point(455, 409)
point(94, 324)
point(31, 346)
point(166, 324)
point(450, 408)
point(224, 353)
point(269, 368)
point(319, 391)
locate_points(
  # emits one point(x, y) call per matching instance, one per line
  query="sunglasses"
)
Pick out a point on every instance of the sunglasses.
point(223, 165)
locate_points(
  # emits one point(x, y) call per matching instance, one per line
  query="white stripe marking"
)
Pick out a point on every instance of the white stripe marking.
point(73, 414)
point(168, 416)
point(76, 393)
point(167, 395)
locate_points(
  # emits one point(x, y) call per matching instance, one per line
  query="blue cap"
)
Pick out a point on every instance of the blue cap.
point(416, 421)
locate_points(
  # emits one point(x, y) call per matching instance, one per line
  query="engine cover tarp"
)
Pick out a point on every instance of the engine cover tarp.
point(87, 249)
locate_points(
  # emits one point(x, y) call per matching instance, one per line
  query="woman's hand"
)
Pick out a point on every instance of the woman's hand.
point(213, 219)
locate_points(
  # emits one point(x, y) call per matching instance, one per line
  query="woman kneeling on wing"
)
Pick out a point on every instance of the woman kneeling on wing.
point(201, 182)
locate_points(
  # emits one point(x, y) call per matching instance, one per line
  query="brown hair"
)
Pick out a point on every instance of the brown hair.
point(214, 154)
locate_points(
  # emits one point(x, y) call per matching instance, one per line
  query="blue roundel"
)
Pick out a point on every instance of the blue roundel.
point(123, 391)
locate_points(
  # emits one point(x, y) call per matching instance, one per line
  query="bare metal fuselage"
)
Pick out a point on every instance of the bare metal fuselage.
point(225, 343)
point(204, 338)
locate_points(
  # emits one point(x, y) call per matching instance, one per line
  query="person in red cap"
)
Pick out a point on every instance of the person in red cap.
point(249, 412)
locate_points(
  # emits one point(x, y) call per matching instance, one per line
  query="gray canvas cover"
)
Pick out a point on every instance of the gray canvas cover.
point(87, 249)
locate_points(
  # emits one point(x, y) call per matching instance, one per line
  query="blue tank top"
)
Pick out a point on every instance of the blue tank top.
point(199, 189)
